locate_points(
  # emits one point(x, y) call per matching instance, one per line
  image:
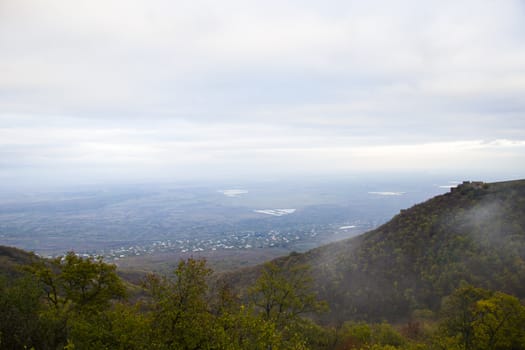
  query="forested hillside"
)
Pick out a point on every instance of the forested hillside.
point(12, 259)
point(474, 234)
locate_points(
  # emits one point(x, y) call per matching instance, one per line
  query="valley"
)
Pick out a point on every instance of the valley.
point(144, 222)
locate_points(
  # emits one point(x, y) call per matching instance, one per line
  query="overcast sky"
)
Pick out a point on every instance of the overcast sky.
point(146, 90)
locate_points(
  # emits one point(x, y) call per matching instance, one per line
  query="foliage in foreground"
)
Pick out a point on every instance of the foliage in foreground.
point(75, 303)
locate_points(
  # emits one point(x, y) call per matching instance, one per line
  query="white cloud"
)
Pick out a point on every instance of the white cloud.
point(261, 86)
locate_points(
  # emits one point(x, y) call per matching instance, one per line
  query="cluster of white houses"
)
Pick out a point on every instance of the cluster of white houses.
point(244, 240)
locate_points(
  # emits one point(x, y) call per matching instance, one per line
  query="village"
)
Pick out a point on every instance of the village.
point(292, 239)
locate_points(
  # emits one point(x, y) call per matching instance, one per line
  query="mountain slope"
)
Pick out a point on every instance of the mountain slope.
point(475, 233)
point(13, 259)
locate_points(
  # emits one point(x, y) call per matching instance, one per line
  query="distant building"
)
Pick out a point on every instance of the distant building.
point(476, 185)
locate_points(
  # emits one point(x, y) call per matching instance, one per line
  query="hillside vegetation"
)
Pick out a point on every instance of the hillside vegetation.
point(474, 234)
point(12, 260)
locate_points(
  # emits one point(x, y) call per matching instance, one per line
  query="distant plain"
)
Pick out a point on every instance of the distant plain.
point(230, 224)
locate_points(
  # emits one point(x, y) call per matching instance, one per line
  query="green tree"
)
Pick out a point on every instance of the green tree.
point(180, 309)
point(242, 328)
point(130, 327)
point(385, 334)
point(88, 284)
point(475, 318)
point(500, 322)
point(458, 314)
point(77, 292)
point(282, 296)
point(19, 308)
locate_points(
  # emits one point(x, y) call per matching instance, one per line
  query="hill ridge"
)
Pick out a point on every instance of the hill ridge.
point(475, 233)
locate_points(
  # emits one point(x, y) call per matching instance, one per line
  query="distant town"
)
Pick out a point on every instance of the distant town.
point(292, 239)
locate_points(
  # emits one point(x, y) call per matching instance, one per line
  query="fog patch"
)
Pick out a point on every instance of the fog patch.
point(485, 222)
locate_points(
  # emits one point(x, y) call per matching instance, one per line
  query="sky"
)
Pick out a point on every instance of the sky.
point(151, 90)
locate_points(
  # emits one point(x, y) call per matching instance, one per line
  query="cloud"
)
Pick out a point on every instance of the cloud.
point(269, 86)
point(242, 148)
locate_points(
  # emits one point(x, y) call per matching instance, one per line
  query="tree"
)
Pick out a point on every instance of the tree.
point(19, 307)
point(241, 328)
point(458, 314)
point(500, 322)
point(88, 284)
point(77, 291)
point(475, 318)
point(282, 296)
point(180, 311)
